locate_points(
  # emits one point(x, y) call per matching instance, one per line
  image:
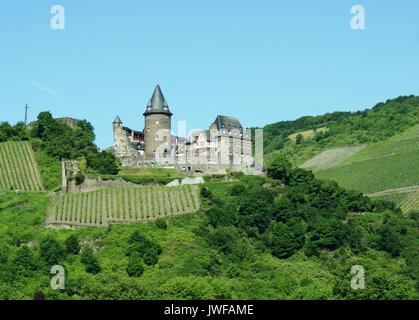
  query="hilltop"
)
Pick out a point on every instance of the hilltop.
point(388, 169)
point(340, 129)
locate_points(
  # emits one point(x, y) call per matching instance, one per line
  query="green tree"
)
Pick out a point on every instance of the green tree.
point(72, 245)
point(148, 250)
point(79, 178)
point(389, 240)
point(284, 240)
point(135, 266)
point(280, 169)
point(51, 251)
point(103, 162)
point(24, 260)
point(90, 261)
point(299, 139)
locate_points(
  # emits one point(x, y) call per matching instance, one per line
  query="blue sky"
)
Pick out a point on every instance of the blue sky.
point(262, 61)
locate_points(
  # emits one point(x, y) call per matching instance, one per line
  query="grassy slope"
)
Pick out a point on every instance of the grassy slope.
point(183, 269)
point(50, 169)
point(183, 261)
point(331, 158)
point(390, 164)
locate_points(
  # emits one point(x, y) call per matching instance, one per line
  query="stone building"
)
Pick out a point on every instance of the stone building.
point(226, 145)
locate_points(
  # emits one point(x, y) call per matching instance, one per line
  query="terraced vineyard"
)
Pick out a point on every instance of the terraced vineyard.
point(18, 167)
point(408, 201)
point(393, 163)
point(101, 207)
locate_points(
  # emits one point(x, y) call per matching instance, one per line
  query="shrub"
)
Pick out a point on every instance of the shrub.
point(237, 190)
point(135, 266)
point(206, 193)
point(148, 250)
point(161, 224)
point(103, 162)
point(51, 251)
point(79, 178)
point(72, 245)
point(90, 261)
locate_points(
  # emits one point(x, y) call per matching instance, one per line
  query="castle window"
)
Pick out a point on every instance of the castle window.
point(157, 122)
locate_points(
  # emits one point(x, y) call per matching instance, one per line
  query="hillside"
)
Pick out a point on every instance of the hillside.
point(388, 165)
point(240, 245)
point(343, 129)
point(101, 207)
point(18, 167)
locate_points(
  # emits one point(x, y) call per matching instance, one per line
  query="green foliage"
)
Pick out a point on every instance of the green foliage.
point(50, 169)
point(90, 261)
point(18, 132)
point(144, 176)
point(344, 128)
point(206, 193)
point(327, 233)
point(103, 162)
point(299, 139)
point(222, 216)
point(237, 189)
point(284, 240)
point(25, 260)
point(79, 178)
point(191, 266)
point(72, 244)
point(135, 266)
point(384, 279)
point(51, 251)
point(390, 239)
point(280, 169)
point(148, 250)
point(161, 224)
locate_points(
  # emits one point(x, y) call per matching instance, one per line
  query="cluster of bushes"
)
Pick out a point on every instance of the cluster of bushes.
point(51, 252)
point(308, 215)
point(18, 132)
point(141, 251)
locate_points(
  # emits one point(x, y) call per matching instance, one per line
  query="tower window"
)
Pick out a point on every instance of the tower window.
point(157, 122)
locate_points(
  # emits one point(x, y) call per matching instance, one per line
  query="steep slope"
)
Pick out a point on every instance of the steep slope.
point(340, 129)
point(18, 167)
point(383, 169)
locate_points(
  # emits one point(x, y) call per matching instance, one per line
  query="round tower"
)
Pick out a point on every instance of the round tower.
point(157, 127)
point(119, 138)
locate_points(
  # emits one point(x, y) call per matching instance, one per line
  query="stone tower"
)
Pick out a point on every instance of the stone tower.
point(158, 125)
point(119, 137)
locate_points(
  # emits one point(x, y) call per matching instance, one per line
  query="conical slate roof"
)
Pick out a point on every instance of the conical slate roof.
point(117, 120)
point(157, 104)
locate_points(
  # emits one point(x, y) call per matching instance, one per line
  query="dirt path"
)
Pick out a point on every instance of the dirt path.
point(391, 191)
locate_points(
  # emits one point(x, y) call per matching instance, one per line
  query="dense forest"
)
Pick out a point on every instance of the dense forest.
point(343, 128)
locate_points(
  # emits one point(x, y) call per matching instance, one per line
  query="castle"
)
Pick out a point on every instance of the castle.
point(226, 145)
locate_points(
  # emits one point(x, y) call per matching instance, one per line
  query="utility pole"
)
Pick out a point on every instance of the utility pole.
point(26, 114)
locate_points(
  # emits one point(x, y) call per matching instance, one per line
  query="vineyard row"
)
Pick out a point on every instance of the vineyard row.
point(101, 207)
